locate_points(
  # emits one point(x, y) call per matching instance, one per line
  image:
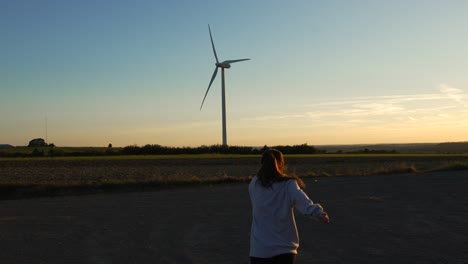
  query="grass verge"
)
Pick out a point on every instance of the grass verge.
point(452, 167)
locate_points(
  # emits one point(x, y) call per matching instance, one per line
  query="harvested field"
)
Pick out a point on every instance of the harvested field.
point(32, 177)
point(405, 218)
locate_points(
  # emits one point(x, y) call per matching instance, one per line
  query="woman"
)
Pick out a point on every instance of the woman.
point(273, 194)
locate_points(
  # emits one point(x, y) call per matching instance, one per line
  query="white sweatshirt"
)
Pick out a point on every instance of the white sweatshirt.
point(274, 230)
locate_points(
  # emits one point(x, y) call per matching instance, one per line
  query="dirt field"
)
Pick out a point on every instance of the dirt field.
point(151, 171)
point(407, 218)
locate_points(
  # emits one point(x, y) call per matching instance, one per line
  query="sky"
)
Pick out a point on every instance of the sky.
point(99, 72)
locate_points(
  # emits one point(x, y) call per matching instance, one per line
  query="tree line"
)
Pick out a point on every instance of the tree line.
point(149, 149)
point(214, 149)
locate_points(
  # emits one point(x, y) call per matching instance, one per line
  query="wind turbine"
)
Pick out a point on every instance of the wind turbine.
point(223, 65)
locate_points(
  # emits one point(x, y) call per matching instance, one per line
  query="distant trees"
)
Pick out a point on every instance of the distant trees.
point(161, 150)
point(214, 149)
point(372, 151)
point(39, 148)
point(298, 149)
point(37, 143)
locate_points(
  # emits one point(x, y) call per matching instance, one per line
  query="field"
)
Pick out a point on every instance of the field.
point(26, 177)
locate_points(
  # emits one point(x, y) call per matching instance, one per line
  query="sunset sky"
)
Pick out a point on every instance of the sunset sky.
point(321, 72)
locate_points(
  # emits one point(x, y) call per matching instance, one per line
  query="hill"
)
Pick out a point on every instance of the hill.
point(447, 147)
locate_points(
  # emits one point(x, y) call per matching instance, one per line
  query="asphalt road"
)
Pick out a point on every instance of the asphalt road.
point(410, 218)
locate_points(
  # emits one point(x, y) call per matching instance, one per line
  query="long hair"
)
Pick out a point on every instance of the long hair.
point(273, 169)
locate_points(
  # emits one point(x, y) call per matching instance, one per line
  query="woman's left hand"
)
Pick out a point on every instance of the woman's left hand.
point(324, 218)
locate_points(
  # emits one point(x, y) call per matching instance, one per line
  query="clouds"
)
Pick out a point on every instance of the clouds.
point(438, 116)
point(394, 106)
point(413, 106)
point(453, 93)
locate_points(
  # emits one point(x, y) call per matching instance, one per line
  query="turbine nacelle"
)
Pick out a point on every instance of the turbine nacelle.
point(223, 65)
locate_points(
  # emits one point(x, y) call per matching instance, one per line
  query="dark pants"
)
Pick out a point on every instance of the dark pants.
point(280, 259)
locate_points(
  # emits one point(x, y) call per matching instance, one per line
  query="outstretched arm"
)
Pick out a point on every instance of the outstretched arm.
point(305, 205)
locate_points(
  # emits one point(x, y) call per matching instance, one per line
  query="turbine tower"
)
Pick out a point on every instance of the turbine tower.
point(223, 65)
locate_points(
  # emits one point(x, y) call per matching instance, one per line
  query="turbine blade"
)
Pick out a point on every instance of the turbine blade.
point(212, 79)
point(212, 44)
point(232, 61)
